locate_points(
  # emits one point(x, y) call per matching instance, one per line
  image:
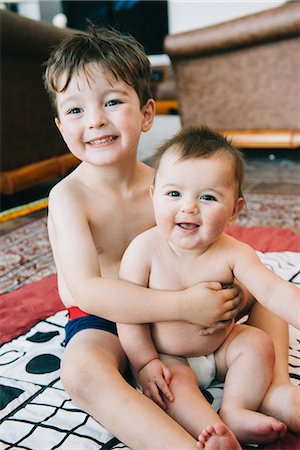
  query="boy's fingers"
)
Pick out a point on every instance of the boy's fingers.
point(232, 304)
point(217, 327)
point(231, 294)
point(231, 314)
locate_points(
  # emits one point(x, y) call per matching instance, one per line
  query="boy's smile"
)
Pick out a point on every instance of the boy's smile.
point(103, 140)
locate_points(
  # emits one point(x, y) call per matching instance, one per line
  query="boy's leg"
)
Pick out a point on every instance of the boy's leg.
point(282, 399)
point(246, 361)
point(191, 409)
point(91, 375)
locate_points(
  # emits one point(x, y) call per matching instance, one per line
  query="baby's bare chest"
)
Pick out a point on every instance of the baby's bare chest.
point(177, 274)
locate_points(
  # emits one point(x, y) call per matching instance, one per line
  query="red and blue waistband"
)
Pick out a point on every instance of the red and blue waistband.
point(75, 313)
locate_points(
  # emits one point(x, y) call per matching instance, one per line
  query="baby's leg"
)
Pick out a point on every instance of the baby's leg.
point(191, 410)
point(282, 399)
point(91, 375)
point(248, 357)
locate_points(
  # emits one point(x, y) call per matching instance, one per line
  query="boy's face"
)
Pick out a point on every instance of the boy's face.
point(194, 199)
point(100, 118)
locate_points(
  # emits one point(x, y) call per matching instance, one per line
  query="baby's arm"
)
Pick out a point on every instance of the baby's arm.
point(278, 295)
point(153, 375)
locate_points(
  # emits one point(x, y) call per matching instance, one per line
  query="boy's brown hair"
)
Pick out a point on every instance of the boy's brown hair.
point(118, 53)
point(202, 142)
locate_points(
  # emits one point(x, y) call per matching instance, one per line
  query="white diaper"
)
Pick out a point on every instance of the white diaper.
point(204, 368)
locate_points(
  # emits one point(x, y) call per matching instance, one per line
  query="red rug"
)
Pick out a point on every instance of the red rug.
point(24, 307)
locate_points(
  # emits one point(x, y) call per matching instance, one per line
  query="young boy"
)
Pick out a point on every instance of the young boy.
point(99, 86)
point(196, 194)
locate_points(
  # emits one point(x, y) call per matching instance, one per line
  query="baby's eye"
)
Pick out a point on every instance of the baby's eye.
point(208, 198)
point(113, 102)
point(173, 194)
point(75, 111)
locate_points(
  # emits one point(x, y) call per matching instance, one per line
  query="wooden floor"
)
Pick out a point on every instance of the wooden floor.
point(273, 177)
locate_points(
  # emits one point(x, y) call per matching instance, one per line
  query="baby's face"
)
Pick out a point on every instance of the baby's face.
point(194, 199)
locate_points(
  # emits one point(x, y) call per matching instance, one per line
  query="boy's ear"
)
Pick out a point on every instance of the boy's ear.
point(57, 123)
point(148, 114)
point(239, 205)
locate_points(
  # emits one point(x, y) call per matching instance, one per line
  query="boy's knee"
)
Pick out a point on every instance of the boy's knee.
point(70, 374)
point(77, 370)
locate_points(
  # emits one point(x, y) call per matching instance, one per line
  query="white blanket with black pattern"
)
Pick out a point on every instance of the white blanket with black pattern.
point(36, 412)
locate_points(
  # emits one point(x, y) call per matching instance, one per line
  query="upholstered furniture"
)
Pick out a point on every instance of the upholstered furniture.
point(243, 77)
point(31, 147)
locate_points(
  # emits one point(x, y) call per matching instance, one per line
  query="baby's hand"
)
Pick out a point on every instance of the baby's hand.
point(155, 378)
point(217, 307)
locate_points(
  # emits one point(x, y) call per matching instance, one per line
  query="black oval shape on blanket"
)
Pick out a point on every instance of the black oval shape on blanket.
point(43, 364)
point(42, 337)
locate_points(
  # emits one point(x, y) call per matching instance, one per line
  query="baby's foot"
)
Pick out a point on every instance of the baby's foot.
point(217, 437)
point(283, 402)
point(254, 427)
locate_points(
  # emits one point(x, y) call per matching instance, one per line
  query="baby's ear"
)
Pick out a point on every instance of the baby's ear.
point(151, 190)
point(239, 206)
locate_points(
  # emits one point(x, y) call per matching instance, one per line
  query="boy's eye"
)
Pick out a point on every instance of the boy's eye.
point(113, 102)
point(75, 111)
point(208, 198)
point(173, 194)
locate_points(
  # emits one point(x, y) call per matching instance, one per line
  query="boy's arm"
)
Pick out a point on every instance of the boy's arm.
point(77, 263)
point(278, 295)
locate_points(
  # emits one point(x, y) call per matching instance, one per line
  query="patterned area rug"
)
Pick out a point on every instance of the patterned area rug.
point(271, 210)
point(25, 255)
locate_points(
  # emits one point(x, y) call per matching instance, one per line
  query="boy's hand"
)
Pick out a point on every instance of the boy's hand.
point(212, 306)
point(155, 378)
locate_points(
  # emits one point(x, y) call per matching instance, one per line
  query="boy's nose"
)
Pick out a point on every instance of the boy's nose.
point(97, 119)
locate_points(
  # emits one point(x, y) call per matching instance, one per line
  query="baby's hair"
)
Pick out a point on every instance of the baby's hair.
point(118, 53)
point(202, 142)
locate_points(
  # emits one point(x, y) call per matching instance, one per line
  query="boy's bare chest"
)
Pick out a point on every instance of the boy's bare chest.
point(114, 226)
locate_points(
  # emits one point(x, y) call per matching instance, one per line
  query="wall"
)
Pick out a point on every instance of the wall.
point(184, 15)
point(188, 15)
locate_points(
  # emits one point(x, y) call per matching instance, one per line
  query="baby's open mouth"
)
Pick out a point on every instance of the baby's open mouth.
point(188, 226)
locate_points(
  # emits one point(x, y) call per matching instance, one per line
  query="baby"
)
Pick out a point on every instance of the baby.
point(196, 194)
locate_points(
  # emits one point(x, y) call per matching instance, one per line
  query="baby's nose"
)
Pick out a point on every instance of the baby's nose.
point(190, 206)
